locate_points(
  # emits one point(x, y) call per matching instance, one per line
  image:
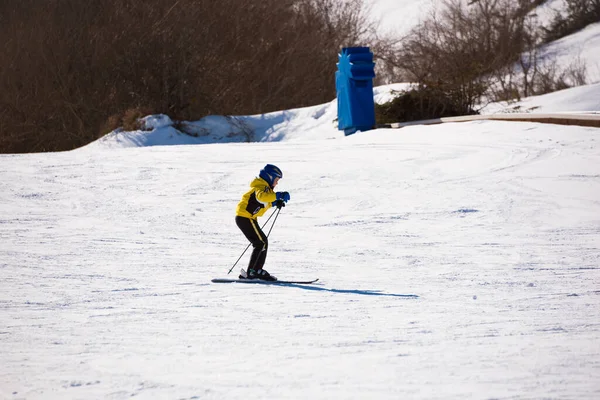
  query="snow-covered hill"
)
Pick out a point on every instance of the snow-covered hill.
point(316, 122)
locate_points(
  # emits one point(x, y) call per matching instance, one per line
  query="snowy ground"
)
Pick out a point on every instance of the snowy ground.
point(106, 257)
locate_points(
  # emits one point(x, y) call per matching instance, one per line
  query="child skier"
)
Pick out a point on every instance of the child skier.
point(254, 204)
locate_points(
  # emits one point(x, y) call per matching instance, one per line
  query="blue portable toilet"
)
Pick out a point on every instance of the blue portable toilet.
point(354, 86)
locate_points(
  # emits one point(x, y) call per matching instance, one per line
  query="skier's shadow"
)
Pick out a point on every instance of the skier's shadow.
point(350, 291)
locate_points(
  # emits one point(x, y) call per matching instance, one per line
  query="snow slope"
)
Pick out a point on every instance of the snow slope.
point(317, 122)
point(106, 259)
point(580, 99)
point(579, 49)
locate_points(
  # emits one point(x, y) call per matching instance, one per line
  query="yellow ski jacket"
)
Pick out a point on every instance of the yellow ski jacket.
point(257, 200)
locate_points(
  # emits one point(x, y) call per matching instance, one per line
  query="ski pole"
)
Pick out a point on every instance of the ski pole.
point(273, 213)
point(275, 220)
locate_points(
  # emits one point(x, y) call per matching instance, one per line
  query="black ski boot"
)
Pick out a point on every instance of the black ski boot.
point(260, 274)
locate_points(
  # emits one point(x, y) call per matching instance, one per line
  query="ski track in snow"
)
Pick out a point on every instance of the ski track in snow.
point(106, 259)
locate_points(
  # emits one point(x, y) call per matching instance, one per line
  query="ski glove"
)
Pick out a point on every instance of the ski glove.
point(285, 196)
point(278, 203)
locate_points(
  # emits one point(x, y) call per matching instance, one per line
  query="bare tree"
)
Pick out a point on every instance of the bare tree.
point(467, 50)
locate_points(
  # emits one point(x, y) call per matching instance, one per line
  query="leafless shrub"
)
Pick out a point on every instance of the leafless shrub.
point(132, 116)
point(112, 123)
point(241, 127)
point(461, 44)
point(551, 77)
point(577, 73)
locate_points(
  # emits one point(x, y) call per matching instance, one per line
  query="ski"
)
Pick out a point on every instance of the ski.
point(260, 281)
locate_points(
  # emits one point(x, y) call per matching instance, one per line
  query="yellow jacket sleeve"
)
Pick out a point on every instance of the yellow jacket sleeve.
point(266, 195)
point(257, 200)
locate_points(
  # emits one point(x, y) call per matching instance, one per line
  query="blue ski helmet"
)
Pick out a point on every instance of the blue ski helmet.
point(269, 173)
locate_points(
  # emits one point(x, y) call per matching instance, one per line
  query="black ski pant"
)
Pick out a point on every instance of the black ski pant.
point(257, 237)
